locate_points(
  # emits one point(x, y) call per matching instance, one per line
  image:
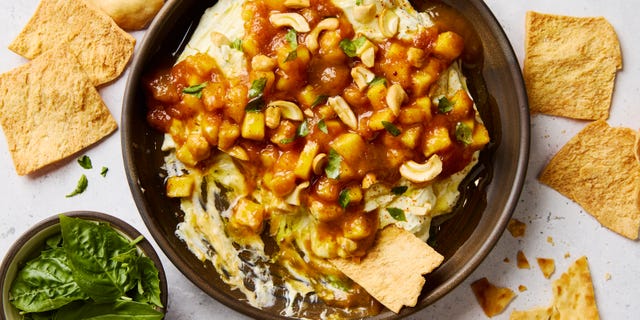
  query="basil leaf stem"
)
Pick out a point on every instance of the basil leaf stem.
point(80, 187)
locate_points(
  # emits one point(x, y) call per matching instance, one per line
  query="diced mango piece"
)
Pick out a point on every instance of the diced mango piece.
point(449, 45)
point(376, 119)
point(462, 105)
point(180, 186)
point(420, 83)
point(377, 95)
point(253, 126)
point(350, 146)
point(248, 214)
point(227, 135)
point(436, 140)
point(410, 137)
point(303, 166)
point(480, 136)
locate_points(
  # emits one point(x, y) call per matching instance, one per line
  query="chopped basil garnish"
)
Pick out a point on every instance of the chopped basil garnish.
point(332, 170)
point(391, 128)
point(303, 129)
point(292, 38)
point(255, 105)
point(464, 133)
point(444, 105)
point(81, 187)
point(323, 126)
point(236, 44)
point(397, 214)
point(350, 47)
point(344, 198)
point(257, 88)
point(319, 100)
point(358, 2)
point(378, 80)
point(291, 56)
point(85, 162)
point(103, 171)
point(399, 190)
point(195, 90)
point(288, 140)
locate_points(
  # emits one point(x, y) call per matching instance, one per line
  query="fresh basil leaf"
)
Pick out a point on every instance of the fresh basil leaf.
point(323, 126)
point(303, 129)
point(348, 47)
point(149, 283)
point(391, 128)
point(45, 283)
point(80, 187)
point(255, 105)
point(236, 44)
point(103, 171)
point(344, 198)
point(195, 90)
point(292, 38)
point(332, 169)
point(257, 88)
point(54, 241)
point(113, 310)
point(399, 190)
point(464, 133)
point(444, 105)
point(291, 56)
point(85, 162)
point(288, 140)
point(99, 258)
point(378, 80)
point(397, 214)
point(321, 99)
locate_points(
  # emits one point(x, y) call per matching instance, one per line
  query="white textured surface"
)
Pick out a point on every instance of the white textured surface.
point(27, 200)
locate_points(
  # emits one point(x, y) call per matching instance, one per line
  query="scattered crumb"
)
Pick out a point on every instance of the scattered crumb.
point(550, 240)
point(492, 299)
point(607, 276)
point(567, 255)
point(522, 261)
point(516, 227)
point(522, 288)
point(506, 260)
point(547, 266)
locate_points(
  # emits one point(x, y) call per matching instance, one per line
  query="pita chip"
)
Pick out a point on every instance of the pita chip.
point(392, 271)
point(492, 299)
point(570, 65)
point(49, 110)
point(101, 47)
point(547, 266)
point(599, 170)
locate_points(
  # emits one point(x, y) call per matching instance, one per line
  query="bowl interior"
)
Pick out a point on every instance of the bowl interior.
point(32, 242)
point(464, 238)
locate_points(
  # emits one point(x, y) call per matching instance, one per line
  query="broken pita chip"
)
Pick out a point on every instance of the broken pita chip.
point(572, 295)
point(599, 170)
point(547, 266)
point(517, 228)
point(493, 300)
point(100, 46)
point(521, 261)
point(570, 65)
point(392, 271)
point(49, 110)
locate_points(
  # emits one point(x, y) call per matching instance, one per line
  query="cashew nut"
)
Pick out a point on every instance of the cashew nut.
point(296, 4)
point(369, 180)
point(261, 62)
point(290, 19)
point(389, 23)
point(288, 109)
point(218, 39)
point(319, 162)
point(427, 171)
point(238, 152)
point(395, 97)
point(367, 53)
point(311, 41)
point(364, 13)
point(362, 77)
point(294, 197)
point(272, 117)
point(343, 110)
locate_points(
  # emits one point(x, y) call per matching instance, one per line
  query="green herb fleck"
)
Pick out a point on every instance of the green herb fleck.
point(291, 56)
point(323, 126)
point(444, 105)
point(195, 90)
point(397, 214)
point(378, 80)
point(103, 171)
point(85, 162)
point(255, 105)
point(288, 140)
point(464, 133)
point(332, 170)
point(292, 38)
point(236, 44)
point(303, 129)
point(321, 99)
point(81, 186)
point(399, 190)
point(358, 2)
point(391, 128)
point(344, 198)
point(350, 47)
point(257, 88)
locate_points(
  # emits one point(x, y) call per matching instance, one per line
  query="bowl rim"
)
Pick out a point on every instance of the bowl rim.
point(514, 72)
point(123, 227)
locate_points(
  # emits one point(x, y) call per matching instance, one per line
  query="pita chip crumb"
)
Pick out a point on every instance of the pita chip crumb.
point(49, 111)
point(570, 65)
point(392, 271)
point(599, 170)
point(517, 228)
point(547, 266)
point(522, 288)
point(100, 46)
point(493, 300)
point(521, 261)
point(572, 295)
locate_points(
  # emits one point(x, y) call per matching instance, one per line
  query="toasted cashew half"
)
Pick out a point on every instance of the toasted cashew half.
point(364, 13)
point(319, 162)
point(288, 109)
point(362, 77)
point(424, 172)
point(218, 39)
point(344, 112)
point(395, 97)
point(290, 19)
point(238, 152)
point(311, 41)
point(367, 53)
point(294, 197)
point(389, 23)
point(272, 117)
point(262, 62)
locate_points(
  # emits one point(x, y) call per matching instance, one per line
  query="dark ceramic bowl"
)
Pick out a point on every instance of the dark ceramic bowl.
point(490, 194)
point(31, 243)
